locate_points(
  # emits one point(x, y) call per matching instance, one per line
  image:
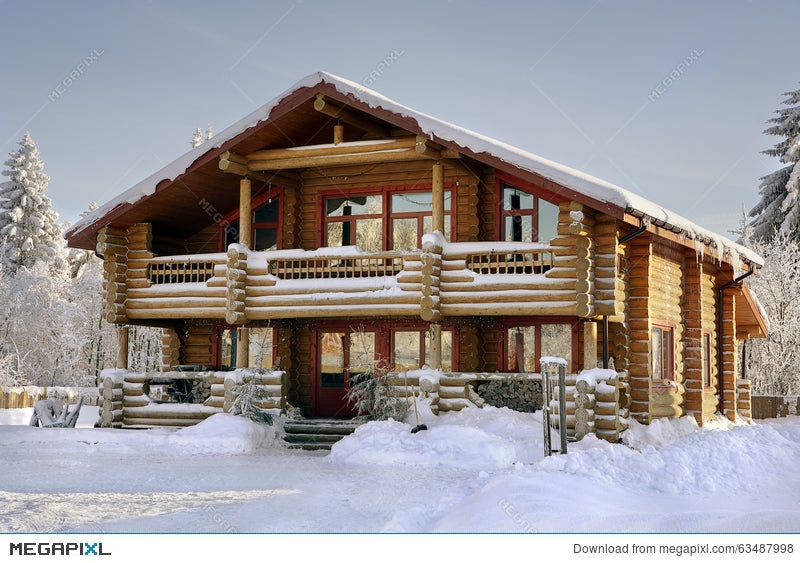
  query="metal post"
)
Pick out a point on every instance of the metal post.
point(562, 406)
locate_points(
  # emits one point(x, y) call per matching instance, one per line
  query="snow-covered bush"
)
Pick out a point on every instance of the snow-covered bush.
point(246, 395)
point(372, 395)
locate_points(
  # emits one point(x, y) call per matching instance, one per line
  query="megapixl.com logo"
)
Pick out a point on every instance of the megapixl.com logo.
point(57, 548)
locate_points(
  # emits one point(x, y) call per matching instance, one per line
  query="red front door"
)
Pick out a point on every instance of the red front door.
point(340, 356)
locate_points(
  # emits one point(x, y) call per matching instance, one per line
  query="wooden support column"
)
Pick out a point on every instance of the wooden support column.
point(589, 345)
point(245, 213)
point(437, 208)
point(338, 134)
point(436, 346)
point(122, 351)
point(243, 348)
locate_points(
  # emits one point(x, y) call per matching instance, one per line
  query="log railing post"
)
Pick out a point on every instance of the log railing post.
point(436, 346)
point(245, 213)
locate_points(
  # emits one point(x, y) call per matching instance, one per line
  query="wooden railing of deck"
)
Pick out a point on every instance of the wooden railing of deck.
point(497, 262)
point(367, 266)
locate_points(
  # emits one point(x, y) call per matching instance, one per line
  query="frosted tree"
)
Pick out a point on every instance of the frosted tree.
point(29, 229)
point(209, 133)
point(773, 363)
point(197, 138)
point(779, 208)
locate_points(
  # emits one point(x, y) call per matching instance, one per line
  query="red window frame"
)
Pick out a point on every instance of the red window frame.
point(386, 215)
point(264, 196)
point(501, 181)
point(512, 322)
point(666, 335)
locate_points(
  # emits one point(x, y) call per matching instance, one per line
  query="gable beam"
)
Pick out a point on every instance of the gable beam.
point(233, 163)
point(332, 110)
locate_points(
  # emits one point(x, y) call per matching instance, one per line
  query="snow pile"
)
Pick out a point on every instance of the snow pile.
point(488, 438)
point(222, 434)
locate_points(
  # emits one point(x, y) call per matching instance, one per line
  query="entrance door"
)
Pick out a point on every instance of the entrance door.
point(341, 356)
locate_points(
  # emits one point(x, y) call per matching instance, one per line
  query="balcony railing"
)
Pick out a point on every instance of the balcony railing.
point(537, 262)
point(179, 271)
point(368, 266)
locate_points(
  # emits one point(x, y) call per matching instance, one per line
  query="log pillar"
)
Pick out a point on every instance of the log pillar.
point(589, 345)
point(122, 351)
point(437, 206)
point(245, 213)
point(243, 347)
point(436, 346)
point(338, 134)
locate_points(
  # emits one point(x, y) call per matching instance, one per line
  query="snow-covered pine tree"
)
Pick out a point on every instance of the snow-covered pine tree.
point(209, 133)
point(779, 208)
point(29, 229)
point(197, 138)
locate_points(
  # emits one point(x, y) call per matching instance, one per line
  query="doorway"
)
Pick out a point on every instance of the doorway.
point(342, 355)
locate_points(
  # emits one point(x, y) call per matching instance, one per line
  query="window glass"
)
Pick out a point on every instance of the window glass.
point(514, 198)
point(548, 221)
point(447, 349)
point(404, 233)
point(261, 347)
point(265, 239)
point(521, 349)
point(406, 350)
point(557, 341)
point(267, 213)
point(369, 235)
point(362, 352)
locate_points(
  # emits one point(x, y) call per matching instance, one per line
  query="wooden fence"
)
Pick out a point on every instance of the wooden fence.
point(764, 406)
point(24, 397)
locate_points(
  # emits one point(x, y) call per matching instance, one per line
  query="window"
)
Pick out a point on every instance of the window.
point(412, 348)
point(525, 345)
point(354, 220)
point(262, 348)
point(411, 217)
point(266, 230)
point(526, 217)
point(662, 353)
point(706, 360)
point(365, 219)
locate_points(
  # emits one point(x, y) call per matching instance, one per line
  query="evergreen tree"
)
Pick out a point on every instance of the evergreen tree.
point(197, 138)
point(29, 229)
point(779, 208)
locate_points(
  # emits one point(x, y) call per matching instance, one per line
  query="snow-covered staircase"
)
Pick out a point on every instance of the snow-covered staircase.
point(316, 434)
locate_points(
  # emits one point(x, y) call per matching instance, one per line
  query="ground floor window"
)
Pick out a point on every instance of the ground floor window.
point(662, 343)
point(411, 349)
point(526, 342)
point(261, 352)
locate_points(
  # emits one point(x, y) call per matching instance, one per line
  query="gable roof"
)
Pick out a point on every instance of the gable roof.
point(575, 184)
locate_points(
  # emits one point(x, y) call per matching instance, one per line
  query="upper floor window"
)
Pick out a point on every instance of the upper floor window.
point(266, 226)
point(387, 219)
point(527, 217)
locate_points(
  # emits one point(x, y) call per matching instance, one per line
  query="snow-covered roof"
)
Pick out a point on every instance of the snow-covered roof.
point(433, 127)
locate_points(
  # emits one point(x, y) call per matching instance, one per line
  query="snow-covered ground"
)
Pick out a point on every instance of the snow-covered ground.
point(477, 470)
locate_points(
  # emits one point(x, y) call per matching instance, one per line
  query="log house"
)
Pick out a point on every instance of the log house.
point(334, 226)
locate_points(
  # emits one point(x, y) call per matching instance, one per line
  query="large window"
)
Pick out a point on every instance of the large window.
point(411, 349)
point(525, 345)
point(662, 345)
point(262, 348)
point(387, 219)
point(526, 217)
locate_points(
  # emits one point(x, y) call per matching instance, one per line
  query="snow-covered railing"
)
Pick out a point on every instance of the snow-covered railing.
point(362, 266)
point(179, 271)
point(499, 262)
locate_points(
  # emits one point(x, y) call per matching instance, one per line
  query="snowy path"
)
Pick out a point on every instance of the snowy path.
point(480, 471)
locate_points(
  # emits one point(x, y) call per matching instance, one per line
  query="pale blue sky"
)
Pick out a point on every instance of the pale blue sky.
point(585, 83)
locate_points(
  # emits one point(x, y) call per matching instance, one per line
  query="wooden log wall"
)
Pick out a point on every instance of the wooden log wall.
point(612, 403)
point(170, 348)
point(291, 218)
point(430, 303)
point(693, 337)
point(580, 403)
point(729, 355)
point(235, 292)
point(300, 381)
point(197, 345)
point(466, 207)
point(111, 395)
point(112, 245)
point(272, 382)
point(204, 241)
point(666, 305)
point(610, 286)
point(708, 300)
point(487, 206)
point(639, 251)
point(744, 399)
